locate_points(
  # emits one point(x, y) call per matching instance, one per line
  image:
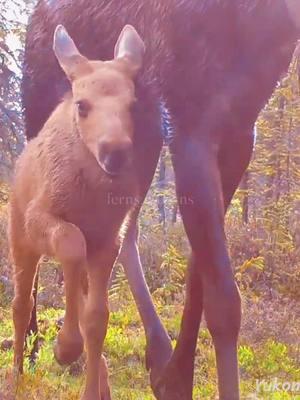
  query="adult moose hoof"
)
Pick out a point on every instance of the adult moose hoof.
point(170, 385)
point(158, 353)
point(68, 349)
point(106, 395)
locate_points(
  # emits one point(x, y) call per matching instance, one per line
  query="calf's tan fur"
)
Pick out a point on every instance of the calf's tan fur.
point(71, 196)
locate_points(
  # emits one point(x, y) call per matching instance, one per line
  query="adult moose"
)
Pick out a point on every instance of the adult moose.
point(215, 63)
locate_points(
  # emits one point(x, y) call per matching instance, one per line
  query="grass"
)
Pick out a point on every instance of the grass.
point(124, 347)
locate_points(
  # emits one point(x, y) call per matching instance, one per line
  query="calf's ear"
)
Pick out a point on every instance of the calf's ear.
point(294, 11)
point(130, 48)
point(67, 54)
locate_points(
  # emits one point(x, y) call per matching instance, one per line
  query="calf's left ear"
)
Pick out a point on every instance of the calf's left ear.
point(130, 47)
point(67, 54)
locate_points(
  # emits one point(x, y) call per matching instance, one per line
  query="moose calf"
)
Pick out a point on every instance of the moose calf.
point(61, 203)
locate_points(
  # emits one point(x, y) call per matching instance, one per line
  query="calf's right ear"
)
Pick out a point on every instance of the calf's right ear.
point(130, 48)
point(294, 11)
point(67, 54)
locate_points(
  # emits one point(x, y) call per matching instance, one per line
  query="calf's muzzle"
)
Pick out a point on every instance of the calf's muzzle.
point(115, 156)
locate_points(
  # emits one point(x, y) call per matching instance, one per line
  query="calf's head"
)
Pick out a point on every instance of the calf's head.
point(103, 93)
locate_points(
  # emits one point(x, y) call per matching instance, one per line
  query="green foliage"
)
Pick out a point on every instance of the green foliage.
point(12, 29)
point(274, 185)
point(173, 269)
point(270, 360)
point(119, 288)
point(124, 348)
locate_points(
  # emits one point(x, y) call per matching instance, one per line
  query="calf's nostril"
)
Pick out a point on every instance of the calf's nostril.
point(115, 161)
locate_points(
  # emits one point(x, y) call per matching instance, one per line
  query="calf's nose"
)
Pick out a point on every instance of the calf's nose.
point(115, 161)
point(114, 158)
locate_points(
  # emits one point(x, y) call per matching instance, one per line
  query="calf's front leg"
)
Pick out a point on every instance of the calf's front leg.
point(64, 241)
point(94, 323)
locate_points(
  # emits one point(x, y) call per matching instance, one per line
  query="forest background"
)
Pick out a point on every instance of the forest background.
point(263, 233)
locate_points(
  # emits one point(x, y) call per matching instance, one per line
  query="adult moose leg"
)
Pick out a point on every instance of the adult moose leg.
point(234, 163)
point(176, 382)
point(159, 347)
point(232, 166)
point(199, 191)
point(148, 144)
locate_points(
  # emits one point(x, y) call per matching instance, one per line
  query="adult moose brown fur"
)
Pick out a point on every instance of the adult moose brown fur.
point(214, 63)
point(68, 199)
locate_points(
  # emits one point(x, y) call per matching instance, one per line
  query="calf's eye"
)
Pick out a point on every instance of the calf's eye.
point(83, 108)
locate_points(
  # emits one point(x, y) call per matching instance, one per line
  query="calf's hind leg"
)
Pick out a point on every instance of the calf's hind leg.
point(66, 243)
point(25, 266)
point(32, 329)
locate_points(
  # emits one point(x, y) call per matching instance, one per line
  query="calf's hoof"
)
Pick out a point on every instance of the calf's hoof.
point(68, 349)
point(104, 381)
